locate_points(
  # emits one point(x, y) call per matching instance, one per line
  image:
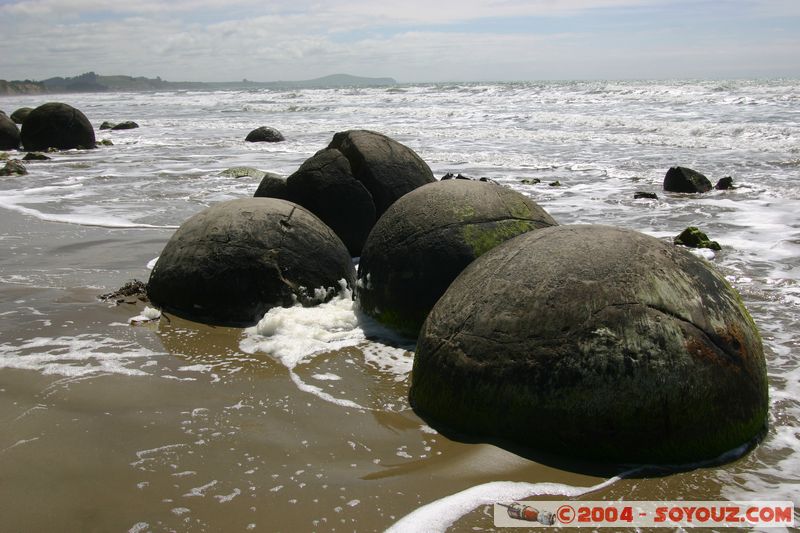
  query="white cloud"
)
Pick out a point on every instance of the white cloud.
point(217, 40)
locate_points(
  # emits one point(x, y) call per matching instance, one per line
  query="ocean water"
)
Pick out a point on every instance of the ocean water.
point(121, 420)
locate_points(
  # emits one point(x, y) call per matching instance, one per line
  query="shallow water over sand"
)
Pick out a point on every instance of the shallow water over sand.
point(171, 425)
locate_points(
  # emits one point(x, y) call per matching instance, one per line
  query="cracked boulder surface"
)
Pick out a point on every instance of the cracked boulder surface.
point(232, 262)
point(57, 125)
point(352, 182)
point(594, 342)
point(425, 239)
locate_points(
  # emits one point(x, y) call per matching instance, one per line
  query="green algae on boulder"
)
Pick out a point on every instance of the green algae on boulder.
point(232, 262)
point(425, 239)
point(594, 342)
point(242, 172)
point(692, 237)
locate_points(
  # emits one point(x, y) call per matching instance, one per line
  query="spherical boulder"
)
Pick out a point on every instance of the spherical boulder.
point(21, 114)
point(264, 134)
point(426, 238)
point(682, 179)
point(9, 134)
point(57, 125)
point(387, 168)
point(595, 342)
point(325, 185)
point(352, 182)
point(232, 262)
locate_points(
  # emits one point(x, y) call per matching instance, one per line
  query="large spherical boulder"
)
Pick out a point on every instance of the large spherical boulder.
point(264, 134)
point(387, 168)
point(9, 133)
point(351, 183)
point(230, 263)
point(426, 238)
point(596, 342)
point(325, 185)
point(21, 114)
point(57, 125)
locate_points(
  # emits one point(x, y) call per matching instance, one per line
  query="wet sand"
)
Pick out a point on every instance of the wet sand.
point(169, 425)
point(205, 436)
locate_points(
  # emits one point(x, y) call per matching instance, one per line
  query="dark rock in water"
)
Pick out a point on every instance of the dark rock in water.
point(9, 134)
point(132, 292)
point(272, 186)
point(641, 194)
point(682, 179)
point(241, 172)
point(231, 263)
point(425, 239)
point(692, 237)
point(264, 134)
point(595, 342)
point(724, 184)
point(105, 142)
point(555, 184)
point(127, 125)
point(35, 156)
point(325, 185)
point(13, 167)
point(451, 176)
point(57, 125)
point(106, 125)
point(21, 114)
point(351, 183)
point(532, 181)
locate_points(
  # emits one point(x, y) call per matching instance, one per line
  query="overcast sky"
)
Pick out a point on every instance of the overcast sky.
point(410, 40)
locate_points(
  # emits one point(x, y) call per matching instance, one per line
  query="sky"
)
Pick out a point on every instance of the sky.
point(409, 40)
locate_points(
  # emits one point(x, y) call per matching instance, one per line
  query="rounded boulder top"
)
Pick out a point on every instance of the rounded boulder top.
point(21, 114)
point(265, 134)
point(352, 182)
point(425, 239)
point(595, 342)
point(232, 262)
point(57, 125)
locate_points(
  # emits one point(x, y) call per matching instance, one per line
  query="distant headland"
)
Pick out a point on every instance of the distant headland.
point(91, 82)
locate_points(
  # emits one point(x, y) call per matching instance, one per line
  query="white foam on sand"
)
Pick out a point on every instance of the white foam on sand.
point(74, 356)
point(293, 335)
point(443, 513)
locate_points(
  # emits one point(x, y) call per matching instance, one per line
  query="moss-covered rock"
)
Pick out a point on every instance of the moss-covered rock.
point(428, 237)
point(242, 172)
point(232, 262)
point(594, 342)
point(692, 237)
point(13, 167)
